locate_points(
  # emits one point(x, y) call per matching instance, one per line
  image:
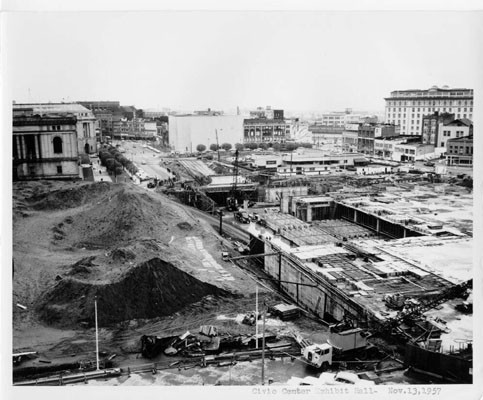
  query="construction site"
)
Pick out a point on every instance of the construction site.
point(288, 280)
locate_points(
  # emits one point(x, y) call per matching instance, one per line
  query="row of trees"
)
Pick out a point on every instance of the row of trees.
point(115, 161)
point(214, 147)
point(252, 146)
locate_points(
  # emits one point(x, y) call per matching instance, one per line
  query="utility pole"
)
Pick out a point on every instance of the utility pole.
point(263, 346)
point(97, 335)
point(256, 316)
point(221, 221)
point(217, 145)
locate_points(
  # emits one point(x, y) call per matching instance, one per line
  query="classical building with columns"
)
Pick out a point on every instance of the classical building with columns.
point(85, 125)
point(45, 147)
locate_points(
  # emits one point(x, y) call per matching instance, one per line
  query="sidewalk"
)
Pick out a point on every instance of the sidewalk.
point(99, 171)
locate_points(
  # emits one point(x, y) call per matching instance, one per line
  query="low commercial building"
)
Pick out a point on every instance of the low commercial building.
point(411, 152)
point(350, 137)
point(460, 151)
point(45, 147)
point(453, 130)
point(367, 133)
point(323, 135)
point(316, 162)
point(265, 161)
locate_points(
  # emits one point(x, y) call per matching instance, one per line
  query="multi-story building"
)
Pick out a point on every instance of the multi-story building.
point(186, 132)
point(350, 137)
point(85, 125)
point(368, 132)
point(262, 130)
point(323, 135)
point(267, 113)
point(339, 119)
point(109, 114)
point(406, 108)
point(432, 125)
point(45, 146)
point(454, 130)
point(459, 151)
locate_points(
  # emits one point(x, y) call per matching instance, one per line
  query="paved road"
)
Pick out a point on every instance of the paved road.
point(145, 159)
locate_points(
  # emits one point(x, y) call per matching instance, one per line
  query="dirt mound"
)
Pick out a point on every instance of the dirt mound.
point(82, 267)
point(184, 226)
point(126, 214)
point(64, 198)
point(122, 255)
point(152, 289)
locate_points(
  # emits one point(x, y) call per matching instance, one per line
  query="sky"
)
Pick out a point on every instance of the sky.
point(302, 61)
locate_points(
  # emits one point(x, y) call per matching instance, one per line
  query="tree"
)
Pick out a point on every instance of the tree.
point(263, 146)
point(201, 148)
point(291, 146)
point(252, 146)
point(239, 146)
point(213, 147)
point(277, 146)
point(226, 146)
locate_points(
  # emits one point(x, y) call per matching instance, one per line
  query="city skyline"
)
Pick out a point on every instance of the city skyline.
point(322, 61)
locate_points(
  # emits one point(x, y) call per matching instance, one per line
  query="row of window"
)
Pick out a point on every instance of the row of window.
point(468, 150)
point(400, 120)
point(430, 102)
point(458, 133)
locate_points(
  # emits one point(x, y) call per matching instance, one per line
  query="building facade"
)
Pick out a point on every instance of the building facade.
point(454, 130)
point(410, 152)
point(432, 125)
point(188, 131)
point(45, 147)
point(406, 108)
point(460, 151)
point(85, 125)
point(367, 133)
point(263, 130)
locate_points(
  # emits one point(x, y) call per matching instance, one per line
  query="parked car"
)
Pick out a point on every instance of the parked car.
point(225, 256)
point(242, 217)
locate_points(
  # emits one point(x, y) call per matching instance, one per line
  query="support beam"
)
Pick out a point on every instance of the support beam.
point(279, 270)
point(252, 256)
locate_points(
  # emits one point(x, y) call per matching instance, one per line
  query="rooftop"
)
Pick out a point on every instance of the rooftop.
point(44, 108)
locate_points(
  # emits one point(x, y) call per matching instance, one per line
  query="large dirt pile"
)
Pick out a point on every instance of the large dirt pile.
point(63, 198)
point(152, 289)
point(103, 215)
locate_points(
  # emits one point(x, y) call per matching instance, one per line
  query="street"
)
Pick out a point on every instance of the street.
point(145, 159)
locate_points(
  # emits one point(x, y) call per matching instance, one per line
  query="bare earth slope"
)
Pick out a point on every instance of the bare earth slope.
point(133, 249)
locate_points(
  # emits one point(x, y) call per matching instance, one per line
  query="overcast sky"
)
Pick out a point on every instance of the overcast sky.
point(194, 60)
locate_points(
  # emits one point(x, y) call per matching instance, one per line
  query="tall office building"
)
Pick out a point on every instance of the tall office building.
point(406, 108)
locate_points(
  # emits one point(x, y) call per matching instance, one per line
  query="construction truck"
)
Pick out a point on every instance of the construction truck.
point(339, 344)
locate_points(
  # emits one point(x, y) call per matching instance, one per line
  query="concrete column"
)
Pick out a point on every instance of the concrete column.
point(377, 224)
point(19, 147)
point(404, 232)
point(309, 213)
point(355, 215)
point(39, 147)
point(22, 145)
point(36, 146)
